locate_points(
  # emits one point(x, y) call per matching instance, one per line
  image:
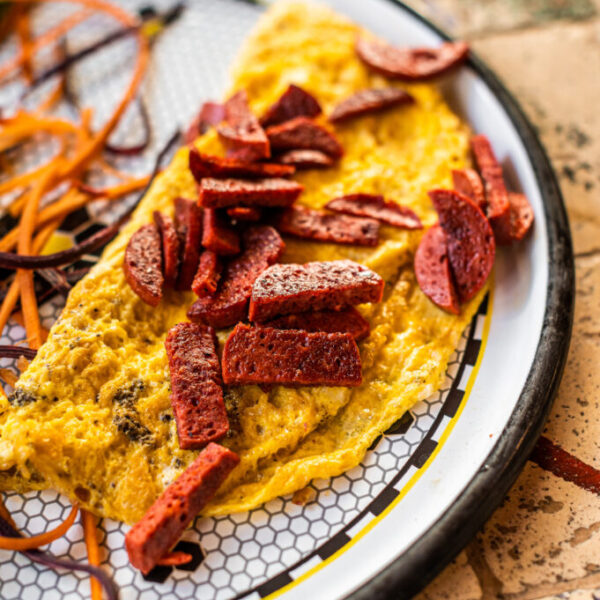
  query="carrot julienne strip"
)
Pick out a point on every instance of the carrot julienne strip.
point(88, 520)
point(20, 544)
point(174, 559)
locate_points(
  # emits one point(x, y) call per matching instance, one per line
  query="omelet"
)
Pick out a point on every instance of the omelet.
point(91, 416)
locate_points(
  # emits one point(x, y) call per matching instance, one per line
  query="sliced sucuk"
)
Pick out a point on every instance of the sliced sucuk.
point(432, 269)
point(375, 207)
point(263, 355)
point(302, 133)
point(245, 213)
point(207, 276)
point(159, 529)
point(498, 206)
point(170, 247)
point(241, 132)
point(470, 240)
point(217, 236)
point(291, 288)
point(369, 101)
point(411, 64)
point(294, 102)
point(210, 114)
point(519, 222)
point(188, 217)
point(306, 159)
point(306, 223)
point(223, 193)
point(143, 264)
point(262, 246)
point(347, 320)
point(205, 165)
point(196, 385)
point(468, 182)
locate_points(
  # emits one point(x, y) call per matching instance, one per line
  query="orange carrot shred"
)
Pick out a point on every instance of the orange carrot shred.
point(175, 558)
point(88, 520)
point(33, 542)
point(8, 377)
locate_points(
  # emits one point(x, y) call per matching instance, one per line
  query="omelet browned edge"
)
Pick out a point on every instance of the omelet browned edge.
point(92, 416)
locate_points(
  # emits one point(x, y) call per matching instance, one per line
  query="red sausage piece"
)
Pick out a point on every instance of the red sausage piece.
point(211, 113)
point(241, 132)
point(158, 530)
point(411, 64)
point(306, 159)
point(470, 240)
point(205, 165)
point(217, 236)
point(222, 193)
point(188, 218)
point(244, 213)
point(292, 288)
point(520, 220)
point(262, 247)
point(143, 264)
point(432, 269)
point(294, 102)
point(302, 133)
point(306, 223)
point(170, 247)
point(468, 183)
point(498, 206)
point(369, 101)
point(347, 320)
point(255, 355)
point(375, 207)
point(196, 390)
point(208, 274)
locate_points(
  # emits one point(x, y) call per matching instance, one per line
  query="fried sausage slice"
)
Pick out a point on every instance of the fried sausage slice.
point(369, 101)
point(306, 159)
point(411, 64)
point(205, 165)
point(310, 224)
point(143, 264)
point(222, 193)
point(217, 236)
point(294, 102)
point(432, 269)
point(293, 288)
point(196, 386)
point(470, 240)
point(302, 133)
point(208, 274)
point(258, 355)
point(262, 246)
point(241, 132)
point(347, 320)
point(468, 183)
point(375, 207)
point(519, 222)
point(170, 247)
point(164, 522)
point(188, 218)
point(210, 113)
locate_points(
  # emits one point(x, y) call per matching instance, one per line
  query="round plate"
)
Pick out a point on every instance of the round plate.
point(386, 527)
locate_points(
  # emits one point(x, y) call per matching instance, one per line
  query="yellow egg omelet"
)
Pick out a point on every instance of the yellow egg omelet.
point(91, 416)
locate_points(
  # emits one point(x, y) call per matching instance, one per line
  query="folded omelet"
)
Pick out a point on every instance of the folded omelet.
point(91, 416)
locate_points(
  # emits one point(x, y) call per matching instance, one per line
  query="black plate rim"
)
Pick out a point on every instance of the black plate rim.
point(419, 564)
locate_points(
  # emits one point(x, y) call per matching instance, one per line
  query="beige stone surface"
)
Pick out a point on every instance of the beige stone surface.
point(544, 541)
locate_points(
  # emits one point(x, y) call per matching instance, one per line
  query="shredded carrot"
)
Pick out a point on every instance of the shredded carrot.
point(12, 296)
point(26, 125)
point(93, 550)
point(8, 377)
point(5, 514)
point(46, 38)
point(9, 543)
point(18, 317)
point(108, 168)
point(22, 363)
point(117, 191)
point(24, 277)
point(175, 558)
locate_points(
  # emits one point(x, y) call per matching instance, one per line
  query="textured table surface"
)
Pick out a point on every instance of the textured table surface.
point(544, 541)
